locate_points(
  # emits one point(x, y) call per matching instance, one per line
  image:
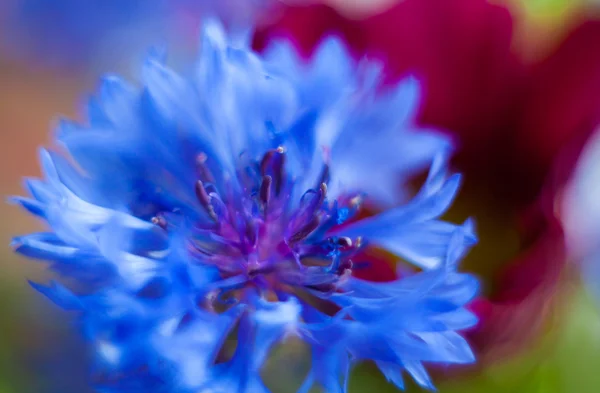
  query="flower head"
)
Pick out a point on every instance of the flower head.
point(229, 199)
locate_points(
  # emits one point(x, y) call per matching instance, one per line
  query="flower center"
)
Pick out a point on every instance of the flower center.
point(256, 235)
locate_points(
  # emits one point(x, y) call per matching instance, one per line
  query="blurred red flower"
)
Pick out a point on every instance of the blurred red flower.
point(512, 119)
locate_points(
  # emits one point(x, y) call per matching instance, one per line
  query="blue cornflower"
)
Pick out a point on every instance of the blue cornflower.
point(227, 202)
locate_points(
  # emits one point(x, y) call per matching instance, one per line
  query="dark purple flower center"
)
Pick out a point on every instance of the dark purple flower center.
point(257, 235)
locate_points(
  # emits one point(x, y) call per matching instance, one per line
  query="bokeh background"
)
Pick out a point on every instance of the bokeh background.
point(542, 326)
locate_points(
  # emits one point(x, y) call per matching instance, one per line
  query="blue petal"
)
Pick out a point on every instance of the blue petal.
point(32, 206)
point(212, 51)
point(417, 371)
point(172, 95)
point(273, 321)
point(194, 345)
point(41, 191)
point(119, 102)
point(240, 374)
point(45, 246)
point(115, 243)
point(392, 372)
point(449, 347)
point(411, 231)
point(60, 295)
point(330, 369)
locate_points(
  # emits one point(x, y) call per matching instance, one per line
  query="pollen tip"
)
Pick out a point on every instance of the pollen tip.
point(323, 188)
point(345, 241)
point(201, 158)
point(159, 221)
point(356, 201)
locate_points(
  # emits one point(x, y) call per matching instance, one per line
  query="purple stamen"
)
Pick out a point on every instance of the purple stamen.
point(205, 200)
point(265, 191)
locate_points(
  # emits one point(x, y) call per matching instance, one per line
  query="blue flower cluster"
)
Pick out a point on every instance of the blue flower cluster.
point(224, 204)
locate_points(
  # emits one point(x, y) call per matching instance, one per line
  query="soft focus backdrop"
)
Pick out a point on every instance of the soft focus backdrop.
point(543, 329)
